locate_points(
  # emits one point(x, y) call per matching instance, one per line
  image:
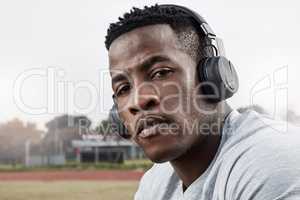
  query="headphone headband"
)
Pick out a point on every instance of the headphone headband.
point(203, 26)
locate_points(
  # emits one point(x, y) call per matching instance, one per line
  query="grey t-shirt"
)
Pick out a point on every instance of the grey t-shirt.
point(258, 159)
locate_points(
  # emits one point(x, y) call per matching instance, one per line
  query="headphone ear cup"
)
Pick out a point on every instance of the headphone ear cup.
point(218, 78)
point(117, 125)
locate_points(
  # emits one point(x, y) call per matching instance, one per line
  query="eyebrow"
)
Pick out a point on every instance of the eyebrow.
point(141, 67)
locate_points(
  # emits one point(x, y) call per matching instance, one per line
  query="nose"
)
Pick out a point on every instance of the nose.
point(144, 99)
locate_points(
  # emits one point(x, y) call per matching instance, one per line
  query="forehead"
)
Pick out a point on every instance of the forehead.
point(131, 48)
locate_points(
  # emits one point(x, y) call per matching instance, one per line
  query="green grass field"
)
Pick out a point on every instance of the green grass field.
point(68, 190)
point(140, 164)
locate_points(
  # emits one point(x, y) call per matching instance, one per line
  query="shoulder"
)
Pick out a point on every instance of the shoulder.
point(266, 163)
point(251, 130)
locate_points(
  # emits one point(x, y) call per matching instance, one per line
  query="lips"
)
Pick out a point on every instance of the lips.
point(149, 131)
point(148, 126)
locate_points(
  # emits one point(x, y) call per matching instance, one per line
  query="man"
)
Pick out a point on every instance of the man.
point(202, 149)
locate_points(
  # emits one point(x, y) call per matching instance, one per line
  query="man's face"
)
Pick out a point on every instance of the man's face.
point(155, 83)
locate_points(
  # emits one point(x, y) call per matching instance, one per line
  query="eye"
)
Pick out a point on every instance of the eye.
point(160, 73)
point(123, 89)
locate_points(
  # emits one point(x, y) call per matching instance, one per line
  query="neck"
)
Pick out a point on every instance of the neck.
point(197, 159)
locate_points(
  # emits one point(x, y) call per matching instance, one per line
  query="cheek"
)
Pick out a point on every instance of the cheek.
point(127, 120)
point(170, 100)
point(175, 96)
point(178, 99)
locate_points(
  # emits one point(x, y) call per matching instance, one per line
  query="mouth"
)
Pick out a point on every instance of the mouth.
point(149, 126)
point(149, 132)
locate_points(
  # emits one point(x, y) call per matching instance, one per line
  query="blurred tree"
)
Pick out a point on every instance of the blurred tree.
point(13, 136)
point(292, 117)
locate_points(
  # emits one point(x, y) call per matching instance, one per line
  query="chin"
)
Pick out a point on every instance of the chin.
point(162, 155)
point(158, 159)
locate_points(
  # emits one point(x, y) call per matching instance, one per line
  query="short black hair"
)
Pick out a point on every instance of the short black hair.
point(183, 25)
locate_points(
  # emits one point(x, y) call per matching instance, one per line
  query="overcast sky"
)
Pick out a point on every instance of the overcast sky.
point(63, 40)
